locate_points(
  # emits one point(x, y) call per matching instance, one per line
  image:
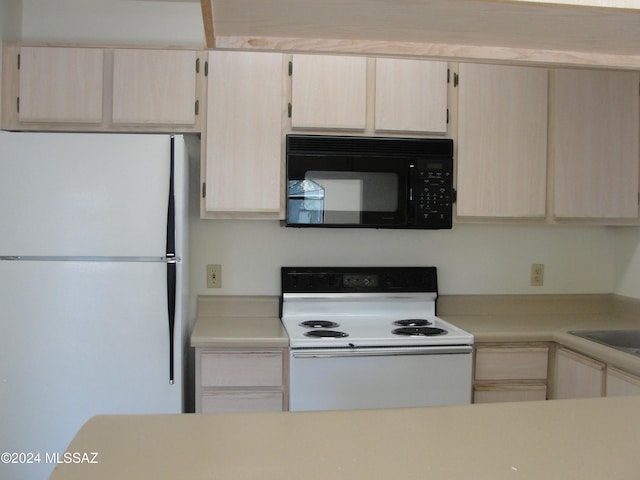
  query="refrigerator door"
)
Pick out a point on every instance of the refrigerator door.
point(84, 194)
point(80, 339)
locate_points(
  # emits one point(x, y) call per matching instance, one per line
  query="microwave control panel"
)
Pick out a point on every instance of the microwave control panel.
point(432, 193)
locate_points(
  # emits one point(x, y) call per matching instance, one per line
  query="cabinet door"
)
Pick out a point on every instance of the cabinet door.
point(411, 95)
point(241, 368)
point(509, 393)
point(621, 383)
point(329, 92)
point(502, 141)
point(243, 149)
point(241, 401)
point(594, 143)
point(59, 84)
point(154, 87)
point(511, 363)
point(578, 376)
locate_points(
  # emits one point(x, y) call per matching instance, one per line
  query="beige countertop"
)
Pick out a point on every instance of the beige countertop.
point(559, 439)
point(552, 328)
point(229, 321)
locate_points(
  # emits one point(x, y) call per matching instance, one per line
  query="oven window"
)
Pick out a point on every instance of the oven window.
point(341, 198)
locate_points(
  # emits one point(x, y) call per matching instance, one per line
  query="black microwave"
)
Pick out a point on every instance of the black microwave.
point(375, 182)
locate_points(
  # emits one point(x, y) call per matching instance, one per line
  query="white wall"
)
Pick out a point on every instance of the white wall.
point(113, 21)
point(472, 259)
point(627, 262)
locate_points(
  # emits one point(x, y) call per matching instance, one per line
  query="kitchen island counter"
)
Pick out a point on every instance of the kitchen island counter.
point(586, 439)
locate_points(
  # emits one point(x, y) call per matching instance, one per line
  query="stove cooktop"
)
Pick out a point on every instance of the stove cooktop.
point(367, 332)
point(364, 307)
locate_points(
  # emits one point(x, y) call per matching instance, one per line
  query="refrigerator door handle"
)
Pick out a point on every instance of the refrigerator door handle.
point(171, 305)
point(171, 262)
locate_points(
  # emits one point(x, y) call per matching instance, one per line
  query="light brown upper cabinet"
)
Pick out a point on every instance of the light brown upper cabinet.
point(410, 96)
point(242, 149)
point(502, 141)
point(370, 95)
point(594, 144)
point(60, 84)
point(329, 92)
point(154, 87)
point(96, 89)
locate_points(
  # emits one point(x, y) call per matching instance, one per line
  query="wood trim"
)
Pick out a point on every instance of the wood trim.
point(207, 23)
point(435, 51)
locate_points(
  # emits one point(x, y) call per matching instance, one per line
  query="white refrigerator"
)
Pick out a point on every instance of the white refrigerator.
point(93, 235)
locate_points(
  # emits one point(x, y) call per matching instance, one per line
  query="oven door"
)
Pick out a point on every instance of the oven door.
point(347, 191)
point(340, 379)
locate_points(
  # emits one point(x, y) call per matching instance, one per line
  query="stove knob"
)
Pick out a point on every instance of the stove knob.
point(388, 281)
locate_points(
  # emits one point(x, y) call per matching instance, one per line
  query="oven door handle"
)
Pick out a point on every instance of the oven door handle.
point(381, 351)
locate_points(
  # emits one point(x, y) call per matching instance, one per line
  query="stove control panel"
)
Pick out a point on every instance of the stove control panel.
point(364, 280)
point(358, 279)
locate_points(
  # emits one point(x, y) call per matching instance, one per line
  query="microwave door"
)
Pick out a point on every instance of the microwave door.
point(343, 196)
point(361, 198)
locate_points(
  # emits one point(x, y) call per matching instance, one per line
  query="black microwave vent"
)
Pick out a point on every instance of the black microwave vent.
point(354, 145)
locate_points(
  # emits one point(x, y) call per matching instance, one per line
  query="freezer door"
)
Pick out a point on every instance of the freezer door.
point(80, 339)
point(84, 194)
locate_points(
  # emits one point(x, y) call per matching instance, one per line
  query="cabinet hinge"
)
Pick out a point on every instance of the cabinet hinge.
point(204, 189)
point(289, 109)
point(197, 108)
point(290, 68)
point(456, 79)
point(197, 65)
point(206, 69)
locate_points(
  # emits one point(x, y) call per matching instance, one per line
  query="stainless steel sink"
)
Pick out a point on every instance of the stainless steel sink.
point(625, 340)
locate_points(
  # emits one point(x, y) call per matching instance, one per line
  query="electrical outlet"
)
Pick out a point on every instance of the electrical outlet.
point(537, 274)
point(214, 276)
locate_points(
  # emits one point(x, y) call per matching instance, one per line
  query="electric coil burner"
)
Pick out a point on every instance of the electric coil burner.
point(419, 331)
point(325, 334)
point(365, 337)
point(319, 324)
point(412, 322)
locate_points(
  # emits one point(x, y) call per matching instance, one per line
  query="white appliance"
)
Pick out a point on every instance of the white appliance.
point(92, 286)
point(367, 337)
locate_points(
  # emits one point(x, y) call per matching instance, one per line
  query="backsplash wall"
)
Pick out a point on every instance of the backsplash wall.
point(471, 259)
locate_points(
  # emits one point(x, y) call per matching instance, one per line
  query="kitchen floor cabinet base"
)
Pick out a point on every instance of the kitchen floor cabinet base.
point(240, 380)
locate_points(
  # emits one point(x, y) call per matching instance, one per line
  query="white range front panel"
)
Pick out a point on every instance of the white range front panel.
point(342, 379)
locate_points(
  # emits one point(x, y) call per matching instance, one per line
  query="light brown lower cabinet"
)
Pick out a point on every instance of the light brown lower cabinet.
point(620, 383)
point(510, 372)
point(509, 393)
point(577, 375)
point(240, 380)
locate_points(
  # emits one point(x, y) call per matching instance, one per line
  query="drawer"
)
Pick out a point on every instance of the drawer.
point(509, 393)
point(237, 368)
point(241, 401)
point(511, 363)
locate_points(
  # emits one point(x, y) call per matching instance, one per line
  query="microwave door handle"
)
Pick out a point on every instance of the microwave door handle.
point(412, 167)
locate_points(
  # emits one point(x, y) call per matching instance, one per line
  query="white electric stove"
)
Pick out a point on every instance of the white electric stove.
point(369, 337)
